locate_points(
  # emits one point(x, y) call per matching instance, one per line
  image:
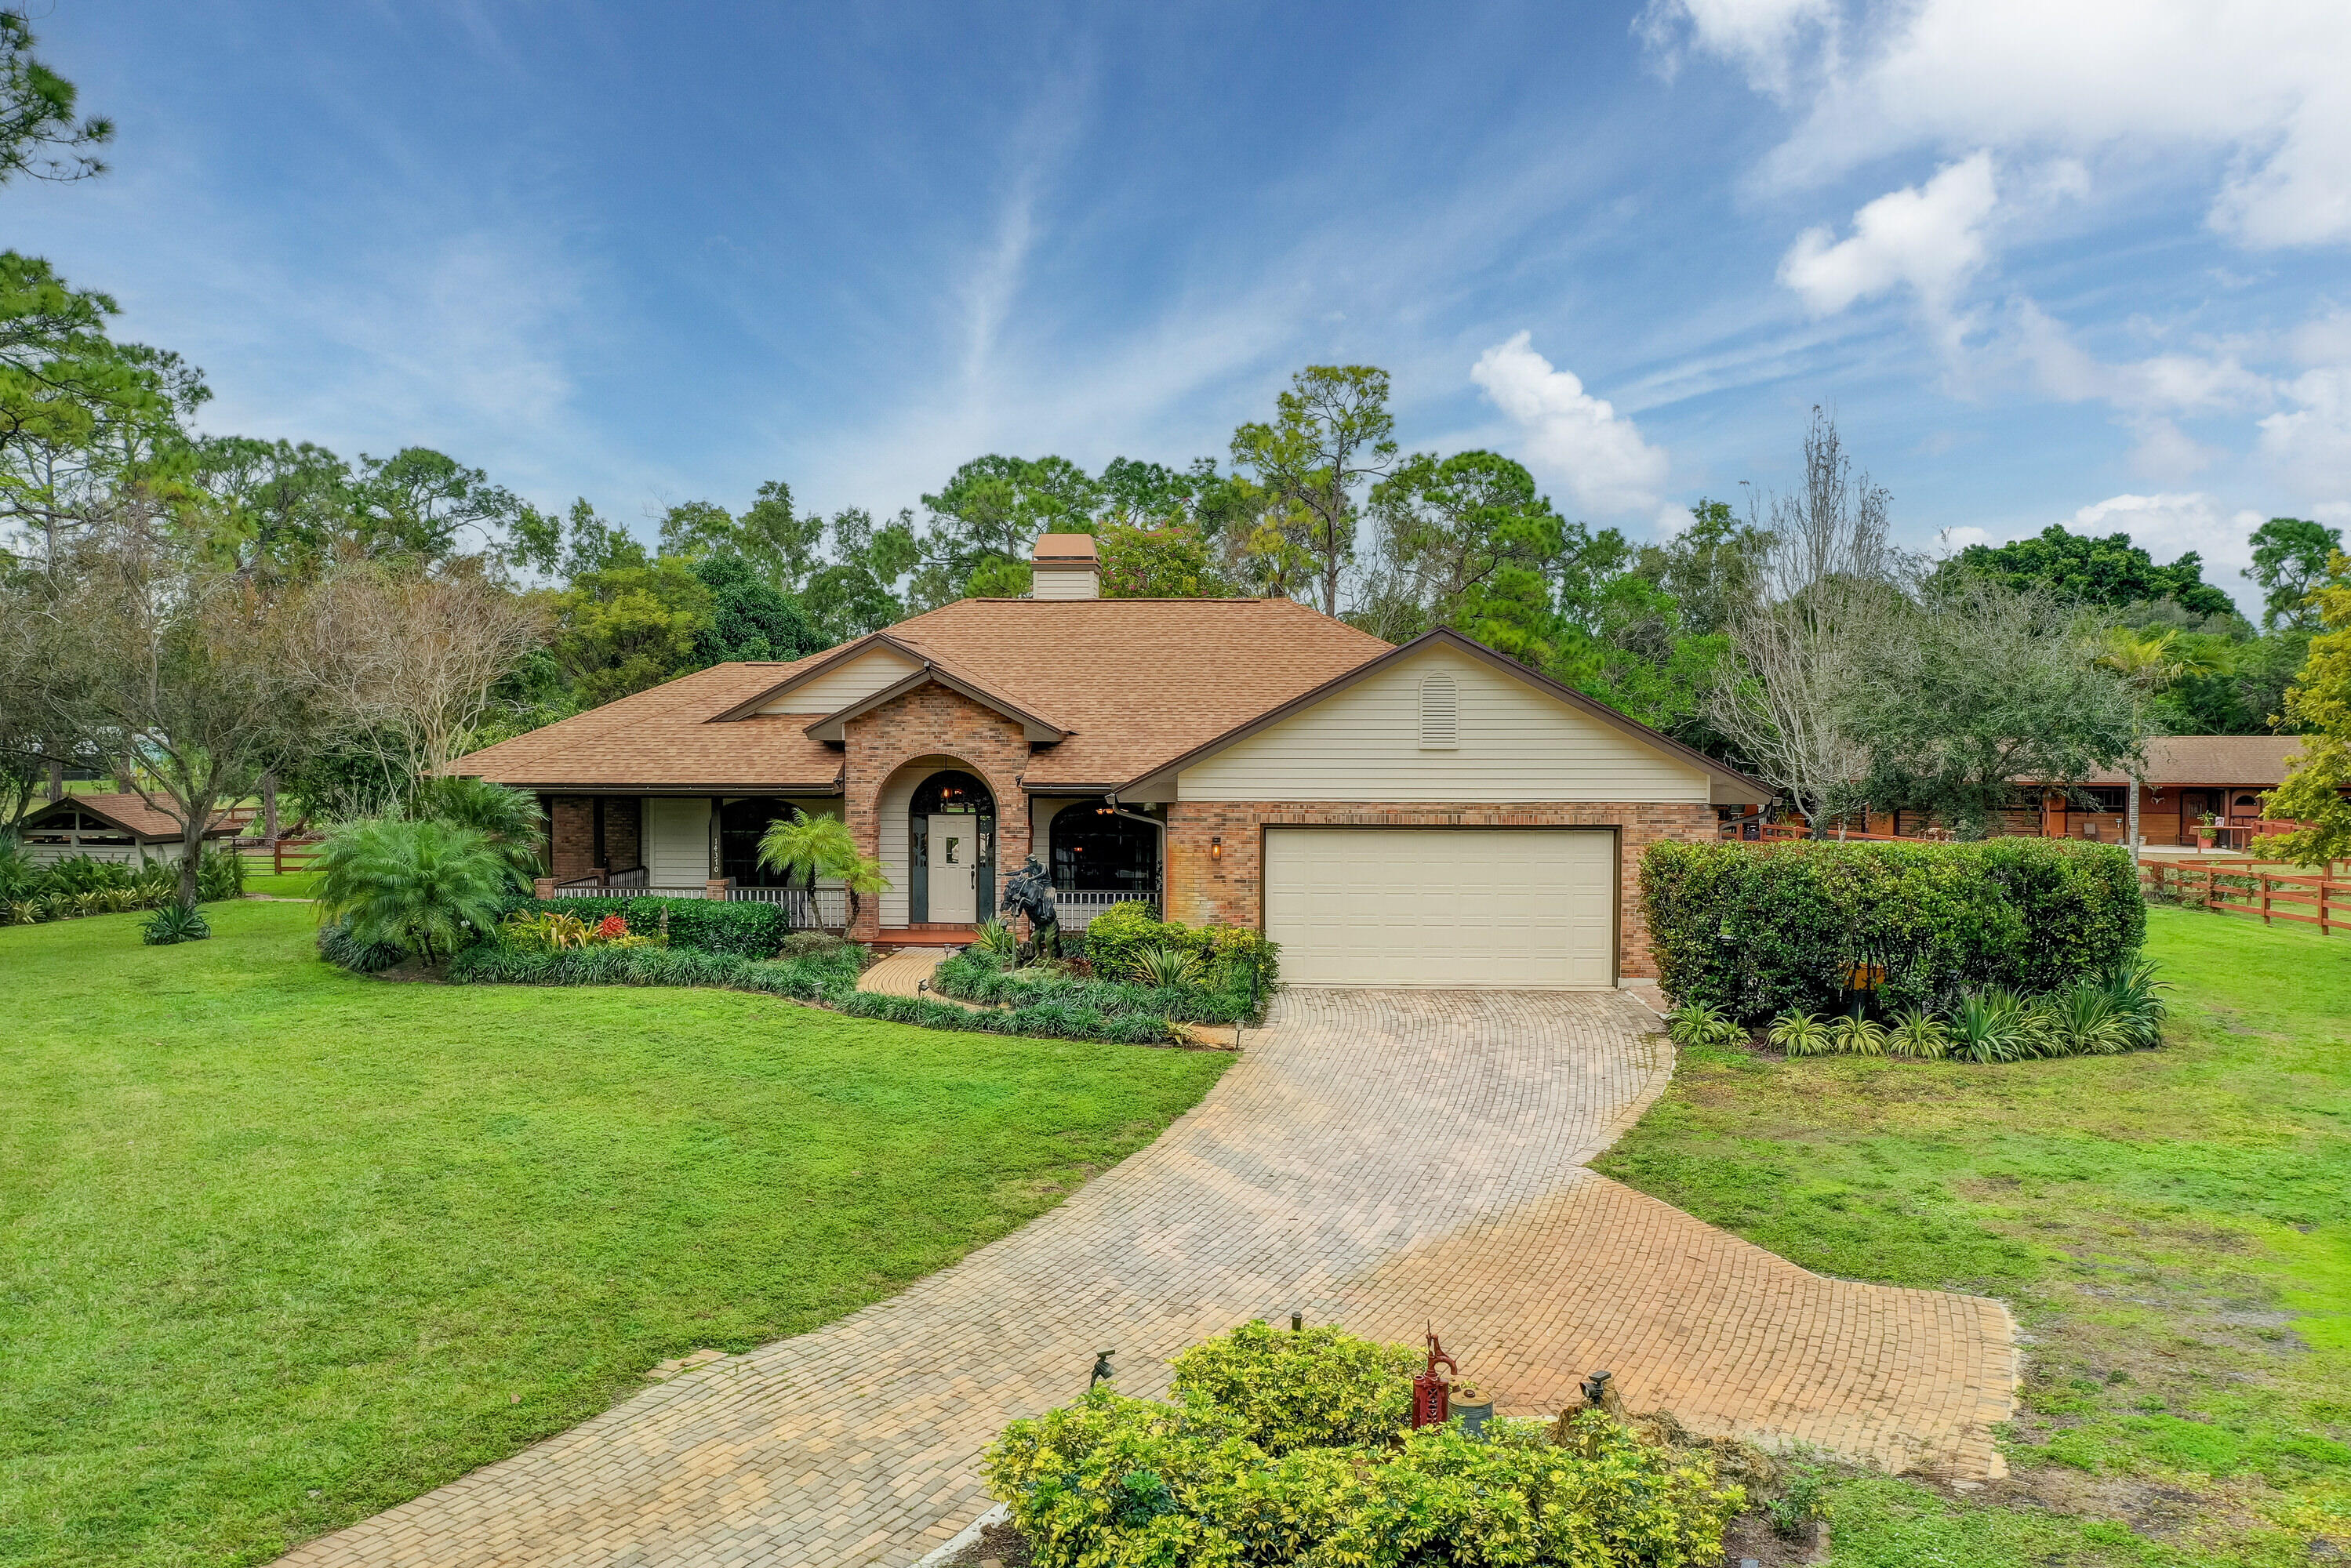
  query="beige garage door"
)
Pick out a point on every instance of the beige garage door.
point(1437, 907)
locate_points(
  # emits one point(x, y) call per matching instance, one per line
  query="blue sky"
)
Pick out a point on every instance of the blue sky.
point(2088, 263)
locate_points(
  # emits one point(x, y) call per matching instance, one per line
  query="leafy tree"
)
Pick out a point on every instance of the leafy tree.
point(992, 511)
point(38, 134)
point(785, 546)
point(79, 412)
point(748, 619)
point(1176, 559)
point(1977, 688)
point(184, 676)
point(418, 501)
point(2290, 556)
point(1332, 432)
point(854, 594)
point(696, 529)
point(2111, 571)
point(1475, 544)
point(626, 628)
point(424, 886)
point(2317, 790)
point(269, 507)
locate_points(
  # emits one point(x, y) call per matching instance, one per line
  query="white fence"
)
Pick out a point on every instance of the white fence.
point(1077, 910)
point(827, 907)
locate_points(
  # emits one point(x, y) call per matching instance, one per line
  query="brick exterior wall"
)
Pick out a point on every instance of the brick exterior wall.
point(932, 721)
point(1229, 890)
point(624, 832)
point(572, 837)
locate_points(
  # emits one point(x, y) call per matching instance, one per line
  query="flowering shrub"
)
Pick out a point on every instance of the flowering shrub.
point(1294, 1449)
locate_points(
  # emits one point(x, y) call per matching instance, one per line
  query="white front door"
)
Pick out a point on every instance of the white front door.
point(954, 870)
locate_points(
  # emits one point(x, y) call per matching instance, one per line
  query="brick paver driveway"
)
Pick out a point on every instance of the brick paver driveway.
point(1379, 1159)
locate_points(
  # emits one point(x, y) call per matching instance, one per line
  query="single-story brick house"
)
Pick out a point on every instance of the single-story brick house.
point(1431, 814)
point(121, 828)
point(2186, 778)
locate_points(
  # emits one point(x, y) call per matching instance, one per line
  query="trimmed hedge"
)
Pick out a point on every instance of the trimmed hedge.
point(1123, 930)
point(976, 976)
point(828, 977)
point(747, 930)
point(811, 979)
point(1282, 1449)
point(1756, 929)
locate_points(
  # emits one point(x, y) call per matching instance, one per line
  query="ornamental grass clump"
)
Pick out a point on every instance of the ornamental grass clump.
point(1297, 1449)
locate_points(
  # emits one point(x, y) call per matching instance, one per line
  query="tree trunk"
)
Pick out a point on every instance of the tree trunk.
point(270, 808)
point(2130, 817)
point(57, 770)
point(192, 847)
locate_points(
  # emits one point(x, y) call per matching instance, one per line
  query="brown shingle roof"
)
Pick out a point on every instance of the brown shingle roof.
point(2260, 760)
point(1137, 681)
point(661, 739)
point(132, 815)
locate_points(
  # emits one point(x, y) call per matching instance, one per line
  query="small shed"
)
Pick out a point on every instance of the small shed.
point(121, 828)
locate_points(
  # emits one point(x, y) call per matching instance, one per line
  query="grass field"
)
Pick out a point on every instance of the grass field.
point(2173, 1228)
point(280, 1246)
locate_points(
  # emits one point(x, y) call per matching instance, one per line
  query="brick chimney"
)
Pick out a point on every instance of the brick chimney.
point(1065, 567)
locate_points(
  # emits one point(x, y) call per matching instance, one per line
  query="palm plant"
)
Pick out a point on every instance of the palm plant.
point(821, 846)
point(995, 938)
point(1799, 1033)
point(1701, 1023)
point(419, 886)
point(1918, 1034)
point(1857, 1036)
point(508, 819)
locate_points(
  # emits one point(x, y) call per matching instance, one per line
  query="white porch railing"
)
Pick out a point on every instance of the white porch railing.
point(826, 908)
point(1077, 910)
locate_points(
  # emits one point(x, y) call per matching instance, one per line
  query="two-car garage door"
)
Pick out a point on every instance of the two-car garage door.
point(1442, 906)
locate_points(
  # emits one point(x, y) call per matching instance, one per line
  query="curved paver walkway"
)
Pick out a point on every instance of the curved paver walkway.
point(1379, 1159)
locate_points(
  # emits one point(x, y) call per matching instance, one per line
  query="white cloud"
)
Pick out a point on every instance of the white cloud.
point(2259, 84)
point(1759, 34)
point(1929, 237)
point(2310, 443)
point(1566, 434)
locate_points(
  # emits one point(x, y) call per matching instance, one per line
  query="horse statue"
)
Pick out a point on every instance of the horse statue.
point(1030, 892)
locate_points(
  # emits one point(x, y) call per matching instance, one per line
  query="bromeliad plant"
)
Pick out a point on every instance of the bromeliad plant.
point(556, 931)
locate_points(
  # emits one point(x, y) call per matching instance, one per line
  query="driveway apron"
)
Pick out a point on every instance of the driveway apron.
point(1385, 1160)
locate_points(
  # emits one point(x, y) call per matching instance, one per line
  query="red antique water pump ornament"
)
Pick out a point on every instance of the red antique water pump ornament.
point(1432, 1395)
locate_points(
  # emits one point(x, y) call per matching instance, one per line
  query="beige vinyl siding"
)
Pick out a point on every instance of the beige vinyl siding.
point(1442, 906)
point(897, 799)
point(1512, 742)
point(677, 841)
point(844, 684)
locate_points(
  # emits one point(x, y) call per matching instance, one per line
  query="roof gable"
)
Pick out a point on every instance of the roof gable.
point(1721, 784)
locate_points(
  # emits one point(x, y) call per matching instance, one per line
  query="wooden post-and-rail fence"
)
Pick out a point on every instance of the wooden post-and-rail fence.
point(2319, 896)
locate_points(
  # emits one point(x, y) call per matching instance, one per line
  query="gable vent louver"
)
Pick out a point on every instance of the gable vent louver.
point(1440, 727)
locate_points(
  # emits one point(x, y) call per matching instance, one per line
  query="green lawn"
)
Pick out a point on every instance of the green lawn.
point(2173, 1228)
point(280, 1246)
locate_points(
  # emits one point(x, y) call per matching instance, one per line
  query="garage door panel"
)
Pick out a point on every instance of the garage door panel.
point(1382, 906)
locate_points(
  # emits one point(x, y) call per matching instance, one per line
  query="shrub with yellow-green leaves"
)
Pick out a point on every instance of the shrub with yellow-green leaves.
point(1296, 1450)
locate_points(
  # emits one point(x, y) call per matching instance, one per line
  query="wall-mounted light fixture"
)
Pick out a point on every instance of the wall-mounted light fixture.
point(1216, 848)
